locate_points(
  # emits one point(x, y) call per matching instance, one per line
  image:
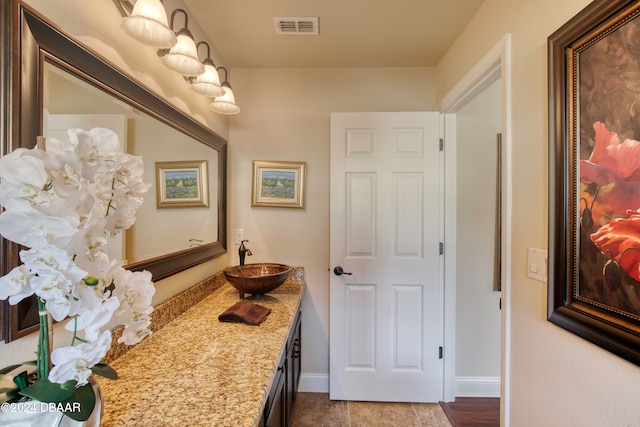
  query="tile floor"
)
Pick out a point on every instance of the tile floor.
point(315, 409)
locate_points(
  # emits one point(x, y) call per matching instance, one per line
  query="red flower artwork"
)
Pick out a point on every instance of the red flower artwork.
point(620, 240)
point(612, 162)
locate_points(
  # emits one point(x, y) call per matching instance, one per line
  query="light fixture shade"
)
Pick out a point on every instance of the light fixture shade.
point(208, 83)
point(183, 57)
point(225, 104)
point(148, 24)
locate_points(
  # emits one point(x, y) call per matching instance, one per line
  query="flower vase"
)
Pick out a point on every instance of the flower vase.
point(31, 413)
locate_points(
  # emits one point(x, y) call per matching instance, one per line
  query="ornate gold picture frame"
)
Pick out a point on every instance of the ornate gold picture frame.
point(182, 184)
point(278, 184)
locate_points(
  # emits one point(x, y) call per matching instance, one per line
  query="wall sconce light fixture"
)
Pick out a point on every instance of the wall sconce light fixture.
point(207, 83)
point(183, 57)
point(147, 23)
point(225, 104)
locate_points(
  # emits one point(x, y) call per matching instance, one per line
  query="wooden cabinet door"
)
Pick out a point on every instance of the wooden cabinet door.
point(277, 405)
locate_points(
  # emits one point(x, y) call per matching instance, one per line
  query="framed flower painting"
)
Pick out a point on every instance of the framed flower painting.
point(594, 176)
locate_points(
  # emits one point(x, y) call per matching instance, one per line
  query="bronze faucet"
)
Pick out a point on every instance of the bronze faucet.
point(242, 251)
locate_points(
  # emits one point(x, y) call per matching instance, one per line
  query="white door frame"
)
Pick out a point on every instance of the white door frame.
point(494, 65)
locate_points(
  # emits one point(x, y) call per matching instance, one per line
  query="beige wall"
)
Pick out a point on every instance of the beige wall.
point(477, 304)
point(285, 116)
point(557, 379)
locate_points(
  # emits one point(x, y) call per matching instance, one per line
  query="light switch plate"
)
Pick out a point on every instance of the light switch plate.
point(537, 265)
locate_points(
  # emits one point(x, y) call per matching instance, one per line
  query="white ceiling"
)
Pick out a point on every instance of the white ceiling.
point(353, 33)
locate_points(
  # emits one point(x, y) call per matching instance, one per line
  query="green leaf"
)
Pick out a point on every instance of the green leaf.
point(80, 406)
point(105, 370)
point(46, 391)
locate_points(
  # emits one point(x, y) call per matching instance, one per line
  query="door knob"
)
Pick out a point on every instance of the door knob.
point(338, 271)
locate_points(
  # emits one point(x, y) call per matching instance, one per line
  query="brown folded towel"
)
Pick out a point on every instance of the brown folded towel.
point(245, 312)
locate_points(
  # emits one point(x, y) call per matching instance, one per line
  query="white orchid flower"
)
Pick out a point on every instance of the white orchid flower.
point(75, 362)
point(32, 228)
point(124, 218)
point(90, 321)
point(20, 167)
point(24, 177)
point(93, 148)
point(135, 332)
point(55, 289)
point(135, 291)
point(66, 181)
point(37, 197)
point(128, 167)
point(85, 298)
point(133, 288)
point(49, 259)
point(16, 285)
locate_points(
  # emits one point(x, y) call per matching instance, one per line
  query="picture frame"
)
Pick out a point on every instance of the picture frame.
point(278, 184)
point(593, 275)
point(182, 184)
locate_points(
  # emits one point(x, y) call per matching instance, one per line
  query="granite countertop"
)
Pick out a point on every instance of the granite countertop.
point(199, 371)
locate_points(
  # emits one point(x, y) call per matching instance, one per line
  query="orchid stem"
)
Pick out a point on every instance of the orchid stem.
point(43, 341)
point(75, 329)
point(75, 332)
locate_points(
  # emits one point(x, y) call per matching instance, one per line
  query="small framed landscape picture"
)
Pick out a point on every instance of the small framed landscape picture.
point(182, 184)
point(278, 184)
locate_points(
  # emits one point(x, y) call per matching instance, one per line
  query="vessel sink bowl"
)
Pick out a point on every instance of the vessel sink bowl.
point(257, 279)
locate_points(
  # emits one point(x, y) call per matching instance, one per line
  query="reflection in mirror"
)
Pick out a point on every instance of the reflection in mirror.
point(33, 50)
point(72, 103)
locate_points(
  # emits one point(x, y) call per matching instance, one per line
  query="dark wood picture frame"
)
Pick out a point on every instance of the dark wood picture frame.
point(592, 95)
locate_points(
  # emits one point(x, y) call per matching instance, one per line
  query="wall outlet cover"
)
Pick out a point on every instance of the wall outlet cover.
point(238, 236)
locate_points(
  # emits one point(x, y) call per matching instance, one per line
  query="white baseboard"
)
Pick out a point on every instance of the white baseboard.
point(477, 386)
point(465, 386)
point(314, 383)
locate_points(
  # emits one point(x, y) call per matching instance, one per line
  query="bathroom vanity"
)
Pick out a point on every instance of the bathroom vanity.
point(197, 370)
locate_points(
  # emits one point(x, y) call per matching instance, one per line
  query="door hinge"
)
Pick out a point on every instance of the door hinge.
point(441, 248)
point(440, 352)
point(441, 144)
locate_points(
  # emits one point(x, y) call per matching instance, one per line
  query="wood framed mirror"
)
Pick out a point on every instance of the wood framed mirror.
point(33, 50)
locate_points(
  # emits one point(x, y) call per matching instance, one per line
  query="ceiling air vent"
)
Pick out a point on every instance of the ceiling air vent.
point(307, 25)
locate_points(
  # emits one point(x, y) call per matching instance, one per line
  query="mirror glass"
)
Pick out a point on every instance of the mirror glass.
point(51, 83)
point(69, 102)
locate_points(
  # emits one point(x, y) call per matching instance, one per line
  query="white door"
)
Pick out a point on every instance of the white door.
point(386, 313)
